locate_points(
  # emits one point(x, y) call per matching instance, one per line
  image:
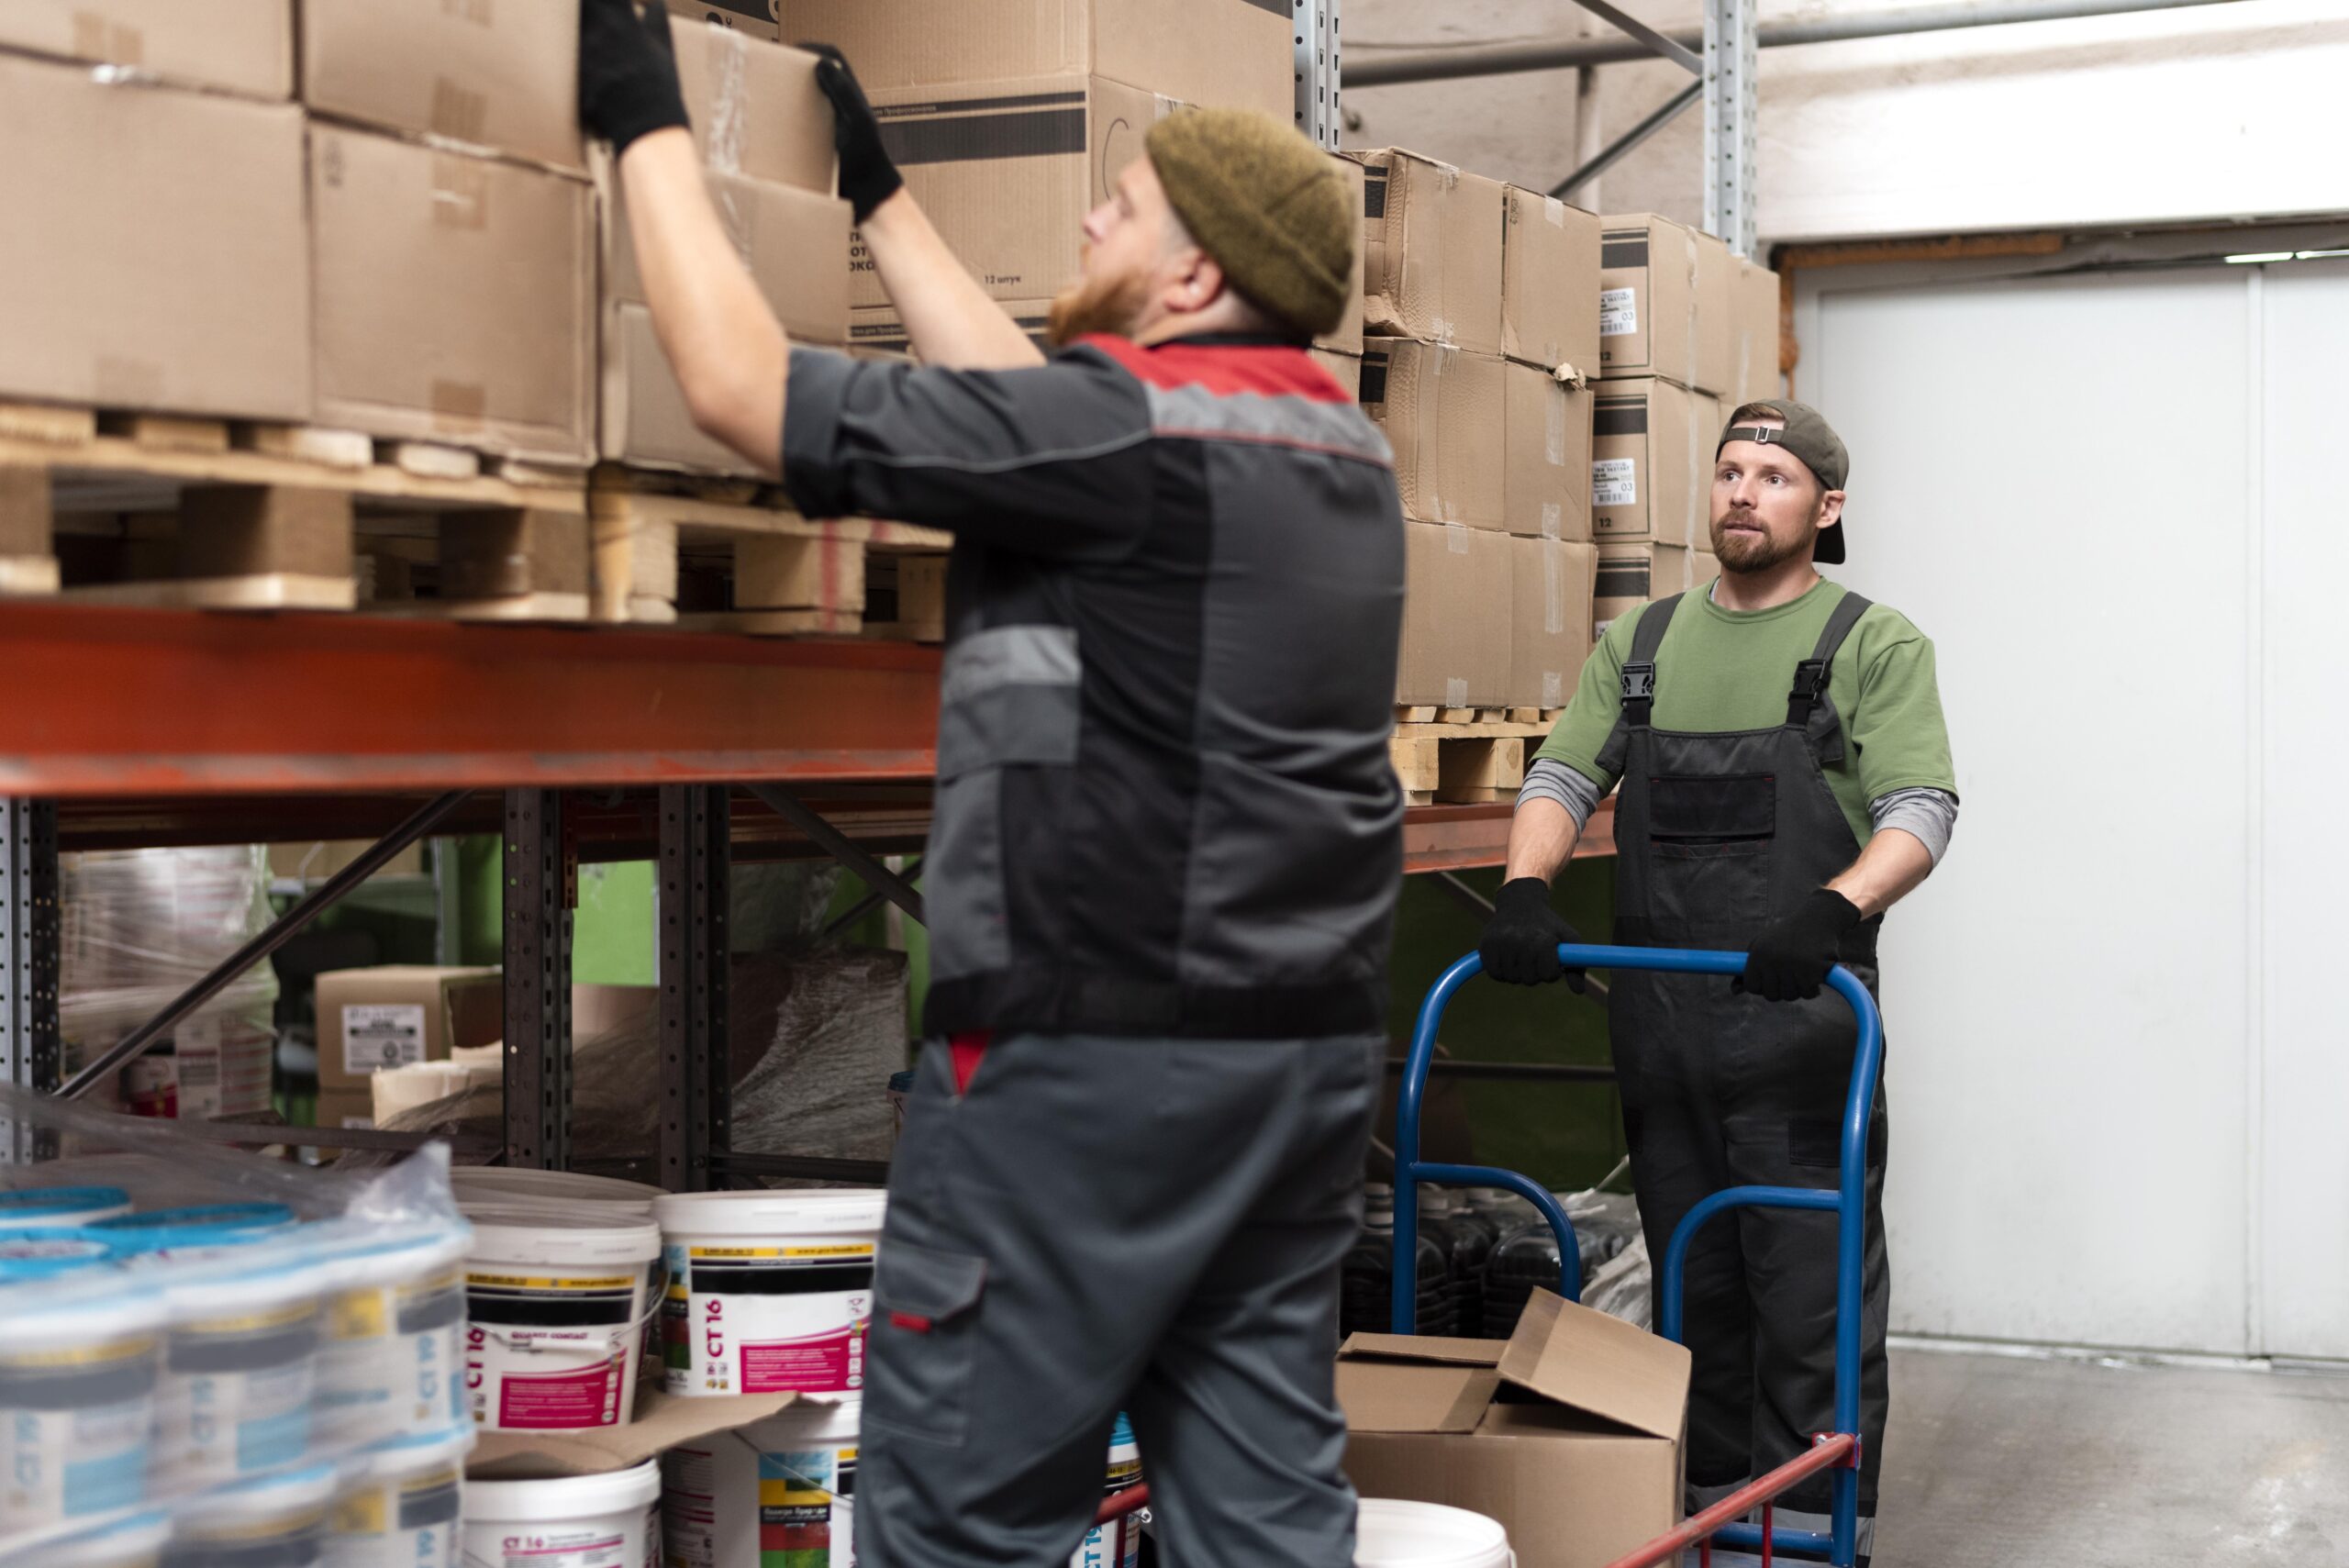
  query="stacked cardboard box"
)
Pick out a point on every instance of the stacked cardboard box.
point(393, 1015)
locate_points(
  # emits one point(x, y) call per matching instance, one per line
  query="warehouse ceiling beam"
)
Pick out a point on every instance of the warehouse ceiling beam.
point(1506, 60)
point(837, 845)
point(271, 938)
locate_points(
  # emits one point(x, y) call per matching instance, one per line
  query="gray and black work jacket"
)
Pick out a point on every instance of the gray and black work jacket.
point(1164, 801)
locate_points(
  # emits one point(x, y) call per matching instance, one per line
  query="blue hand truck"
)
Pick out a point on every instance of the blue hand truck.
point(1838, 1451)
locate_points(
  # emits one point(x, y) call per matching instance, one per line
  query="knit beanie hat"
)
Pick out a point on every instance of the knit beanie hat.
point(1267, 204)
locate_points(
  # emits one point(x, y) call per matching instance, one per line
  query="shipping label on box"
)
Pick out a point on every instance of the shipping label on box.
point(1648, 475)
point(1753, 313)
point(1647, 299)
point(1457, 604)
point(1431, 251)
point(455, 296)
point(1006, 171)
point(1552, 582)
point(503, 77)
point(1546, 425)
point(1550, 283)
point(235, 46)
point(1442, 410)
point(1225, 54)
point(376, 1035)
point(1715, 320)
point(755, 109)
point(1631, 574)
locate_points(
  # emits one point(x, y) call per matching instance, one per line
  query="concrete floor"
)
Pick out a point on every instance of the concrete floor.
point(2004, 1462)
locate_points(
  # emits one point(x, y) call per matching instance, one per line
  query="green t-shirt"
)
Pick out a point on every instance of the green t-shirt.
point(1723, 669)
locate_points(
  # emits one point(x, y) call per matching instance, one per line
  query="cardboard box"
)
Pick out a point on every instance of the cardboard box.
point(1227, 53)
point(876, 330)
point(1753, 316)
point(792, 241)
point(1457, 601)
point(756, 109)
point(663, 1421)
point(1716, 326)
point(1649, 472)
point(1549, 283)
point(397, 1013)
point(1006, 172)
point(1346, 337)
point(1442, 411)
point(501, 76)
point(1569, 1434)
point(1552, 582)
point(316, 860)
point(752, 18)
point(1647, 298)
point(1703, 567)
point(177, 279)
point(236, 46)
point(344, 1109)
point(455, 297)
point(1545, 477)
point(1345, 368)
point(1431, 251)
point(1631, 574)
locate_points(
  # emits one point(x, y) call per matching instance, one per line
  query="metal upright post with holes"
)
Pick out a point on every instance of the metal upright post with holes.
point(695, 953)
point(1315, 28)
point(29, 961)
point(542, 878)
point(1732, 41)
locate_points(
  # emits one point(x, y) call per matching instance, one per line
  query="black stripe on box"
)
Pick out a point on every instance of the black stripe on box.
point(1621, 579)
point(1374, 193)
point(1374, 379)
point(967, 138)
point(1626, 417)
point(1621, 255)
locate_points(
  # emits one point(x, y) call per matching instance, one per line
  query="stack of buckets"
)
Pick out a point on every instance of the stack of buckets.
point(195, 1385)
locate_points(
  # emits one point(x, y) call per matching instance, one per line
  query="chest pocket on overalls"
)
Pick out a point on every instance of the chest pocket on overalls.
point(1711, 838)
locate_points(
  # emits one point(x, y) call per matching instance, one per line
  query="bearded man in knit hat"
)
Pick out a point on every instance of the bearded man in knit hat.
point(1166, 845)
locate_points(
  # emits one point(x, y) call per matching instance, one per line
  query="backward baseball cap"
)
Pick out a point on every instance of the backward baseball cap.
point(1812, 440)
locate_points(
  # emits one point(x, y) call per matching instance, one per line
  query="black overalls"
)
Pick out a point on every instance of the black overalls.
point(1716, 836)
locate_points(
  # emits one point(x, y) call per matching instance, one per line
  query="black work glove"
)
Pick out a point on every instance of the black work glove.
point(868, 175)
point(627, 71)
point(1790, 959)
point(1521, 944)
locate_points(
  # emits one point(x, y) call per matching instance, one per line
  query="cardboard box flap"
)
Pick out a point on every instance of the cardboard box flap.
point(1414, 1397)
point(1601, 1365)
point(1432, 1348)
point(663, 1421)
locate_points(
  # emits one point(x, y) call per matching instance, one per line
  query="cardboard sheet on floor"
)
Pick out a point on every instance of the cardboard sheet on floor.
point(663, 1421)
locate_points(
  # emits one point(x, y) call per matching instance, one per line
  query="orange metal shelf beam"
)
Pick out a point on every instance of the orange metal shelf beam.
point(1464, 837)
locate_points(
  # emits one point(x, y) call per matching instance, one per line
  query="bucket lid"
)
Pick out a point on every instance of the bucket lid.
point(36, 1315)
point(518, 1185)
point(412, 1455)
point(850, 1210)
point(1391, 1534)
point(509, 1233)
point(138, 1539)
point(375, 1255)
point(207, 1226)
point(41, 1252)
point(36, 1206)
point(238, 1507)
point(568, 1498)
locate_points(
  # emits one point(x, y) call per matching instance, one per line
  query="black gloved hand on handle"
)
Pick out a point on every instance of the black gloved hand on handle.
point(1521, 941)
point(627, 71)
point(868, 175)
point(1789, 961)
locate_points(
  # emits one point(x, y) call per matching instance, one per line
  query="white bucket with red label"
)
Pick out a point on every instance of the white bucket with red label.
point(555, 1309)
point(769, 1292)
point(579, 1521)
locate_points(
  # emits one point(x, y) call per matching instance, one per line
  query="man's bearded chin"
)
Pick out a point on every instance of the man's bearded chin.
point(1111, 305)
point(1743, 552)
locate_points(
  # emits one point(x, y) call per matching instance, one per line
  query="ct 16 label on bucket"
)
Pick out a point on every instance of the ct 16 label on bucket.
point(788, 1320)
point(595, 1545)
point(550, 1351)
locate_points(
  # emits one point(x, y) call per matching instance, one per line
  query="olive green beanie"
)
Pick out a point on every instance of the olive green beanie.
point(1267, 204)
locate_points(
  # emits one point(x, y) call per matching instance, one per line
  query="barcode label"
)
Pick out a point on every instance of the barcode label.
point(376, 1035)
point(1618, 312)
point(1614, 481)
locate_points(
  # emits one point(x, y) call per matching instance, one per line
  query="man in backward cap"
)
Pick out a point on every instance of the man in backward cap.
point(1167, 846)
point(1786, 779)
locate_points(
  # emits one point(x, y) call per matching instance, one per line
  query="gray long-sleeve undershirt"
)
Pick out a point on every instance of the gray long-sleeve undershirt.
point(1928, 815)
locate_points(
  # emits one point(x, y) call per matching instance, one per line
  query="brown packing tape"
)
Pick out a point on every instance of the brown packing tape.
point(460, 191)
point(1689, 376)
point(460, 113)
point(459, 403)
point(118, 43)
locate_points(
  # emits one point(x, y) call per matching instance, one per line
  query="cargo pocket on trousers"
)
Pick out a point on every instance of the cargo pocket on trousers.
point(925, 1325)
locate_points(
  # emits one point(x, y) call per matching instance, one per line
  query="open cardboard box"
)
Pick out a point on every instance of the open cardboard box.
point(1569, 1433)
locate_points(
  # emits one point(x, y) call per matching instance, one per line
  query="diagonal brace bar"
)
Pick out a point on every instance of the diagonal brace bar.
point(837, 845)
point(1663, 44)
point(1623, 145)
point(865, 906)
point(275, 935)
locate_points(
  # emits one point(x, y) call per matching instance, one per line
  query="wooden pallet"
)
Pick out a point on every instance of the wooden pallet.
point(1466, 756)
point(735, 558)
point(152, 510)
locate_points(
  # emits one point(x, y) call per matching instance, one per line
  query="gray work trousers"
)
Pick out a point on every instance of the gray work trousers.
point(1105, 1224)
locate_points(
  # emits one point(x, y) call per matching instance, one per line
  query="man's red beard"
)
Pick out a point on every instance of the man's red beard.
point(1113, 305)
point(1757, 551)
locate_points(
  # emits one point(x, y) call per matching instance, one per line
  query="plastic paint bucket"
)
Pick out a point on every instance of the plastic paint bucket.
point(401, 1504)
point(46, 1253)
point(177, 1230)
point(1116, 1544)
point(769, 1292)
point(79, 1366)
point(555, 1308)
point(780, 1490)
point(34, 1208)
point(1391, 1534)
point(514, 1187)
point(135, 1543)
point(239, 1365)
point(391, 1363)
point(278, 1522)
point(579, 1522)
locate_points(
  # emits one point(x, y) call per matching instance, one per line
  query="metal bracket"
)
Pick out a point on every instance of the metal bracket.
point(1731, 77)
point(1315, 30)
point(30, 1052)
point(1622, 146)
point(692, 905)
point(538, 982)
